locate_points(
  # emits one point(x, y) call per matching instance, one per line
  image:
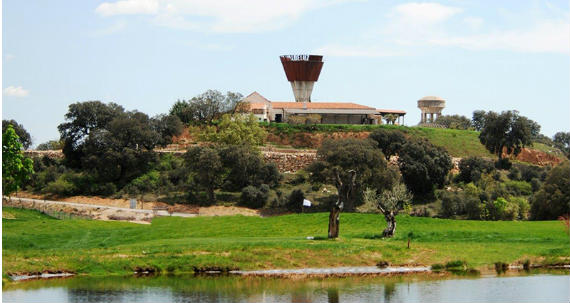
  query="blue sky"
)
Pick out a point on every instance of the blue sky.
point(146, 54)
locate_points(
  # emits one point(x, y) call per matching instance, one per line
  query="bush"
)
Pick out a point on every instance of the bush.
point(254, 197)
point(501, 209)
point(62, 187)
point(518, 188)
point(471, 169)
point(523, 207)
point(504, 163)
point(148, 182)
point(295, 201)
point(553, 198)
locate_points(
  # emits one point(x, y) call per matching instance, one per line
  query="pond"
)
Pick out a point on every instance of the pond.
point(527, 287)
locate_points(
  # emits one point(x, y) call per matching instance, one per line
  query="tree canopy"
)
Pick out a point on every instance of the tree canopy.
point(16, 169)
point(423, 166)
point(507, 132)
point(207, 107)
point(562, 141)
point(553, 198)
point(454, 122)
point(389, 141)
point(23, 135)
point(116, 145)
point(234, 130)
point(351, 165)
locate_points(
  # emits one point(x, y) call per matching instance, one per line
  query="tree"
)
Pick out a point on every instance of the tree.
point(349, 164)
point(83, 118)
point(207, 107)
point(390, 203)
point(508, 132)
point(111, 144)
point(168, 126)
point(562, 141)
point(16, 169)
point(234, 130)
point(423, 166)
point(478, 120)
point(23, 135)
point(553, 198)
point(454, 122)
point(245, 166)
point(390, 118)
point(471, 169)
point(389, 141)
point(207, 169)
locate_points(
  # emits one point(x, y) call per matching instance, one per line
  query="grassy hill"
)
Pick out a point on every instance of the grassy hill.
point(459, 143)
point(34, 242)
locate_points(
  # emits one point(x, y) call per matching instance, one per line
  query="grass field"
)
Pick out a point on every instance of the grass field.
point(35, 242)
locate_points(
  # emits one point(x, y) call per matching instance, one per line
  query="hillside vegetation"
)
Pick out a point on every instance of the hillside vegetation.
point(35, 242)
point(459, 143)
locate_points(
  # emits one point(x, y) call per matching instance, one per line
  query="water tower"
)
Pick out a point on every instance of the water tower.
point(302, 71)
point(431, 107)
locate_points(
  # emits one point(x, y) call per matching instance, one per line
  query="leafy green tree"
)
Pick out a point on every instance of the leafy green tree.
point(22, 133)
point(478, 120)
point(206, 167)
point(235, 130)
point(389, 141)
point(16, 169)
point(390, 203)
point(423, 166)
point(454, 122)
point(168, 126)
point(553, 198)
point(207, 107)
point(562, 141)
point(507, 131)
point(471, 169)
point(245, 166)
point(82, 119)
point(350, 165)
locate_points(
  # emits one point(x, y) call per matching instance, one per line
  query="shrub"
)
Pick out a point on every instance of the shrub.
point(518, 188)
point(148, 182)
point(523, 207)
point(471, 169)
point(61, 187)
point(553, 198)
point(254, 197)
point(295, 201)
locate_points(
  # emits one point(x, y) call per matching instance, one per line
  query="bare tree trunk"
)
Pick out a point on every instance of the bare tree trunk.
point(391, 222)
point(334, 222)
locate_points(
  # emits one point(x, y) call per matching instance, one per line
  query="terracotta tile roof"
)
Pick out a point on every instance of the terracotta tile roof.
point(319, 105)
point(258, 106)
point(390, 111)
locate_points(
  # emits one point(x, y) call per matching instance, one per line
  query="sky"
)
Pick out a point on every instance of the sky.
point(146, 54)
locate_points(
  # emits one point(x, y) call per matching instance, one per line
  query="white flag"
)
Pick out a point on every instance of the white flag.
point(306, 203)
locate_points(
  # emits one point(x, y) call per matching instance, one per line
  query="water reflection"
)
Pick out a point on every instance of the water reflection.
point(419, 288)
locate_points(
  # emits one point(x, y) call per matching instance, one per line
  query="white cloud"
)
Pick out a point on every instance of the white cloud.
point(425, 13)
point(128, 7)
point(545, 36)
point(413, 26)
point(15, 91)
point(218, 15)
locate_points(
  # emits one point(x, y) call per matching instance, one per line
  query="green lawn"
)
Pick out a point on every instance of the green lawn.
point(35, 242)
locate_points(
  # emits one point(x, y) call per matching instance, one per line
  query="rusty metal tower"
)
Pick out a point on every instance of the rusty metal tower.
point(302, 71)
